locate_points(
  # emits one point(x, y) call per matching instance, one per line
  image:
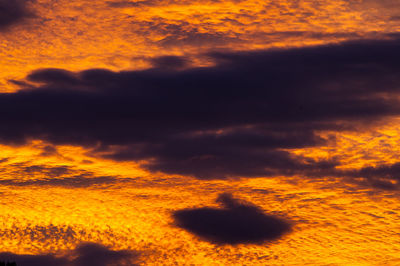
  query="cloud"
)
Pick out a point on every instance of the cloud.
point(86, 254)
point(124, 4)
point(43, 234)
point(236, 222)
point(49, 150)
point(34, 260)
point(55, 176)
point(50, 171)
point(4, 160)
point(231, 119)
point(183, 33)
point(12, 12)
point(151, 3)
point(170, 62)
point(194, 37)
point(68, 182)
point(383, 176)
point(92, 254)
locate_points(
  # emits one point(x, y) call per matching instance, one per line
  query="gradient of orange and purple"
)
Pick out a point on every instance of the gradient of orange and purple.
point(204, 132)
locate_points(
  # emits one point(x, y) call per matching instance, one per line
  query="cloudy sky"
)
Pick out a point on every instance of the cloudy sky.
point(199, 132)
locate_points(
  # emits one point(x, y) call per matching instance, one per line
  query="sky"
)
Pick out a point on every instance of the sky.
point(199, 132)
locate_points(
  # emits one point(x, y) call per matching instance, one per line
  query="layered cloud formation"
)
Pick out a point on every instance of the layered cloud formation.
point(230, 119)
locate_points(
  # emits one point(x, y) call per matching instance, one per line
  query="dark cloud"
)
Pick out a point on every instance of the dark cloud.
point(385, 177)
point(54, 76)
point(49, 171)
point(91, 254)
point(12, 12)
point(230, 119)
point(88, 254)
point(170, 62)
point(276, 36)
point(122, 4)
point(387, 171)
point(34, 260)
point(236, 222)
point(56, 176)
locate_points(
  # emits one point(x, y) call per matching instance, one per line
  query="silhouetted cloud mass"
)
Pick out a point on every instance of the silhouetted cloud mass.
point(91, 254)
point(231, 119)
point(236, 222)
point(12, 12)
point(88, 254)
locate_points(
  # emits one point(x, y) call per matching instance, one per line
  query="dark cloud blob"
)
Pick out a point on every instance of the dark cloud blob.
point(13, 12)
point(88, 254)
point(91, 254)
point(230, 119)
point(235, 223)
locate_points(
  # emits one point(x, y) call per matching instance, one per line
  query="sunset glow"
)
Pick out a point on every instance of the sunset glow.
point(157, 132)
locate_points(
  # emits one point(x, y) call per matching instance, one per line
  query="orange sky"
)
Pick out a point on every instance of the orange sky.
point(55, 196)
point(78, 35)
